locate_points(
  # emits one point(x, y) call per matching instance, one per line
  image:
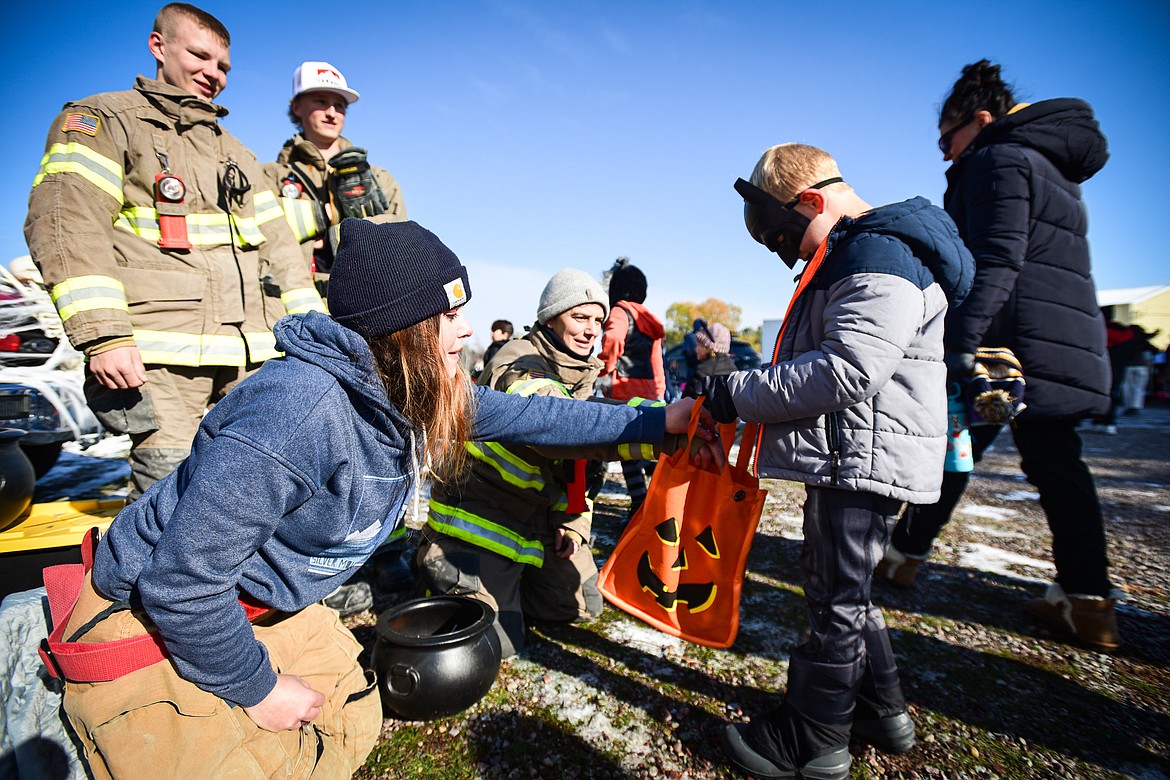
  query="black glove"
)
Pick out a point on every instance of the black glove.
point(960, 366)
point(352, 186)
point(718, 402)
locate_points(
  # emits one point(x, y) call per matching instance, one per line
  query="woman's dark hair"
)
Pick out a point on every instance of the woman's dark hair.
point(980, 88)
point(626, 282)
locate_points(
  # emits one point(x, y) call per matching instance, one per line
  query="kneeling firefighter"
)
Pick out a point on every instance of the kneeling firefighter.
point(514, 531)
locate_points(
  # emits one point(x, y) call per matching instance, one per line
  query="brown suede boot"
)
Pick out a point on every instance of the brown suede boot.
point(898, 568)
point(1091, 619)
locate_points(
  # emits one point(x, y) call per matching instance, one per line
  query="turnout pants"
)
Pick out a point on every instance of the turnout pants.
point(563, 590)
point(1050, 457)
point(153, 723)
point(162, 416)
point(846, 668)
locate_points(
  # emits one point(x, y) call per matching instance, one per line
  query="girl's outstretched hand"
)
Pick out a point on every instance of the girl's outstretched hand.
point(706, 448)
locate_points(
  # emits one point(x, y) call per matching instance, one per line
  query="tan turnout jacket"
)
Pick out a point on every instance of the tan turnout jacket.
point(93, 230)
point(299, 211)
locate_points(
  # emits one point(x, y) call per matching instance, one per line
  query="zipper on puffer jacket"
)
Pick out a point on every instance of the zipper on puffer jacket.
point(833, 434)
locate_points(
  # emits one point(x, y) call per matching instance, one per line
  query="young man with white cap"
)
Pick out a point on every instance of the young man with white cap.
point(320, 175)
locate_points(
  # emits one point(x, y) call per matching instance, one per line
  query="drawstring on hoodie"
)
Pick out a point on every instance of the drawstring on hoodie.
point(419, 473)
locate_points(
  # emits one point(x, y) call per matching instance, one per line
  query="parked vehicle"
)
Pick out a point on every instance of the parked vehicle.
point(41, 375)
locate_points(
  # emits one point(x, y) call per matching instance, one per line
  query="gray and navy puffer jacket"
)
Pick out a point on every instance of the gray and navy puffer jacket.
point(856, 396)
point(1015, 196)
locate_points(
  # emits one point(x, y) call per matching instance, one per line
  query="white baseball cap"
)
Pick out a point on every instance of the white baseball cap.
point(312, 76)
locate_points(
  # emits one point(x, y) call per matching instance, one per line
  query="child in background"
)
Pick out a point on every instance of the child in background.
point(713, 348)
point(631, 349)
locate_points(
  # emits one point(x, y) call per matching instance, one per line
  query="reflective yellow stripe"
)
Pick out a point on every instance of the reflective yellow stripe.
point(562, 506)
point(87, 293)
point(202, 229)
point(513, 469)
point(97, 169)
point(299, 214)
point(636, 451)
point(190, 349)
point(261, 346)
point(482, 532)
point(268, 207)
point(635, 401)
point(301, 300)
point(527, 387)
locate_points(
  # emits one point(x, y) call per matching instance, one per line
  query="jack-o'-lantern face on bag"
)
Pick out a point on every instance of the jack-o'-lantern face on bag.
point(692, 564)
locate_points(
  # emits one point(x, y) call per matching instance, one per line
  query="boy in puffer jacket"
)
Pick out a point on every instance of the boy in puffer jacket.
point(854, 407)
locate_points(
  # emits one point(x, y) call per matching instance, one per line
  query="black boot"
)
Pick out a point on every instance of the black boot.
point(879, 717)
point(809, 733)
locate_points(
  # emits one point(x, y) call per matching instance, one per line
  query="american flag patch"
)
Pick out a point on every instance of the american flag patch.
point(82, 123)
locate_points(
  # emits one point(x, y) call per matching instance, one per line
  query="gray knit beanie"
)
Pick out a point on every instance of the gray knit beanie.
point(392, 275)
point(568, 288)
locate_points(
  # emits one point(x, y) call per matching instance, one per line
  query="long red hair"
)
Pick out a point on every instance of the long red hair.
point(440, 407)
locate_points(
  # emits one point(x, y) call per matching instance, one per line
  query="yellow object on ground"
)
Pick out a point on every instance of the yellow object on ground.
point(58, 524)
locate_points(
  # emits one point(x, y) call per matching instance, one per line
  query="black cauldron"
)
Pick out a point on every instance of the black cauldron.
point(435, 656)
point(17, 479)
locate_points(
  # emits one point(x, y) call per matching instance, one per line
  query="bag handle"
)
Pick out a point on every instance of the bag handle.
point(747, 443)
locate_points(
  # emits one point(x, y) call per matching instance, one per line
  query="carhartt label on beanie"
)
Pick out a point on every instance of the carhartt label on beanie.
point(568, 288)
point(392, 275)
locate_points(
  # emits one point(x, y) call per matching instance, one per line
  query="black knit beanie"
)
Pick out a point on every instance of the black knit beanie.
point(626, 283)
point(392, 275)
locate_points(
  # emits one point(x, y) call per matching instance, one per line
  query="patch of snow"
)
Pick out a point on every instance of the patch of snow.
point(1160, 508)
point(106, 447)
point(989, 512)
point(1019, 495)
point(585, 708)
point(986, 530)
point(981, 557)
point(644, 638)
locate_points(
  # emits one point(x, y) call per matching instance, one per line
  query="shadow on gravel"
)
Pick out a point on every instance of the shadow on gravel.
point(997, 601)
point(508, 743)
point(1002, 695)
point(698, 730)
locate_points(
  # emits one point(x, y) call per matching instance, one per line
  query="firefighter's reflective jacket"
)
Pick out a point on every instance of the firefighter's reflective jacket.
point(100, 214)
point(299, 175)
point(513, 496)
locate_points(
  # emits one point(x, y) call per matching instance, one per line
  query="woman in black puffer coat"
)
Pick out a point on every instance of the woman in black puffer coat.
point(1014, 192)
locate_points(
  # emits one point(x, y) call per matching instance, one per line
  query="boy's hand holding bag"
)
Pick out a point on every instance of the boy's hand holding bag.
point(680, 564)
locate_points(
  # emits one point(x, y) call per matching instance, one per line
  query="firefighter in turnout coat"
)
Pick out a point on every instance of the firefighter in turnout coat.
point(321, 176)
point(167, 259)
point(514, 533)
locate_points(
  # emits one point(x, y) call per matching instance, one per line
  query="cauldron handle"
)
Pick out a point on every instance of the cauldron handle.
point(402, 670)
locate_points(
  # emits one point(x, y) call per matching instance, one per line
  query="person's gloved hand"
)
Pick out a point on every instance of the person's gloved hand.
point(352, 186)
point(719, 402)
point(960, 366)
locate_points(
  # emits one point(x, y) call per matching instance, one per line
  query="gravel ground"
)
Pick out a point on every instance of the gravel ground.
point(994, 694)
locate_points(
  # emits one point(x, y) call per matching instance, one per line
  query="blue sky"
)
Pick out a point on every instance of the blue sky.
point(534, 136)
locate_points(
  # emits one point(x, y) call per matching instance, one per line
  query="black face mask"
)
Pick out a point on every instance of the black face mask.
point(776, 225)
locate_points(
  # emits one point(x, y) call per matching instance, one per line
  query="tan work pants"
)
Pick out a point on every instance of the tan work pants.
point(153, 723)
point(163, 415)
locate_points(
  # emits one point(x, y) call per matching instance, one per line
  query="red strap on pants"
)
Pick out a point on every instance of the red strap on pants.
point(98, 661)
point(576, 490)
